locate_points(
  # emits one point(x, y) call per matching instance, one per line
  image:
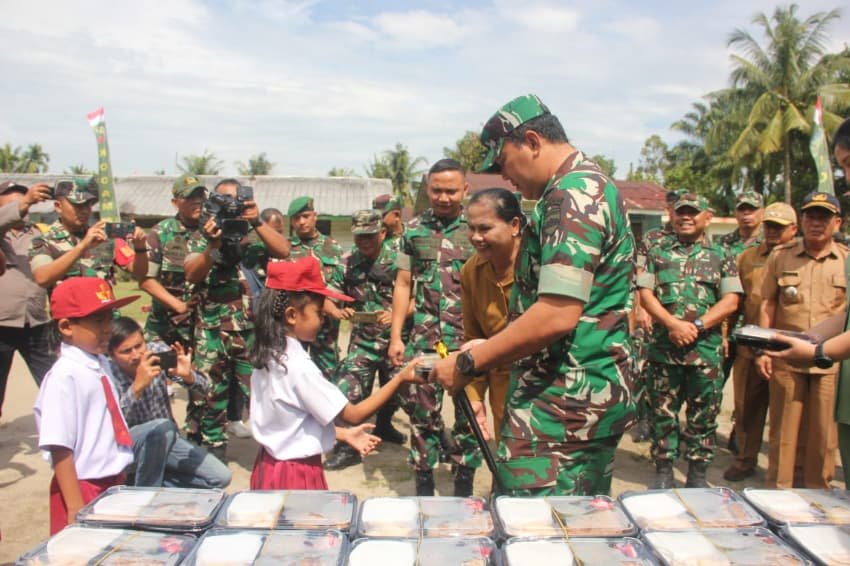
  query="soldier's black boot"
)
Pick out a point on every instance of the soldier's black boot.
point(696, 474)
point(342, 457)
point(425, 483)
point(463, 481)
point(641, 431)
point(446, 445)
point(384, 428)
point(663, 475)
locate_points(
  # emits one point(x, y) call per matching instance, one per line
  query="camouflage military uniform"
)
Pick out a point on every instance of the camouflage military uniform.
point(223, 337)
point(324, 351)
point(687, 279)
point(569, 404)
point(371, 284)
point(433, 251)
point(168, 246)
point(98, 261)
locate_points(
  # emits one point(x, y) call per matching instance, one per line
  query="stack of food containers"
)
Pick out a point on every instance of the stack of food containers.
point(816, 521)
point(705, 526)
point(567, 530)
point(423, 530)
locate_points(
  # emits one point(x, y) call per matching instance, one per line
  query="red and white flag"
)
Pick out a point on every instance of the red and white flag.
point(95, 117)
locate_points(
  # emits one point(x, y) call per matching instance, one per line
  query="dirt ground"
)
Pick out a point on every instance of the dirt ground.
point(25, 476)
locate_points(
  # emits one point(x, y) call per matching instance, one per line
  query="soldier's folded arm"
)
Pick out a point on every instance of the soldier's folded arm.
point(401, 297)
point(48, 271)
point(650, 303)
point(154, 288)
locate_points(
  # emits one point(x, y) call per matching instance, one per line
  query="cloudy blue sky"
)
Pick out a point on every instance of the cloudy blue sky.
point(317, 84)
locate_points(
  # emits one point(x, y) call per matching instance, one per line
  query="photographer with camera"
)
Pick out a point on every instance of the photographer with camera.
point(172, 309)
point(224, 327)
point(161, 457)
point(72, 248)
point(23, 315)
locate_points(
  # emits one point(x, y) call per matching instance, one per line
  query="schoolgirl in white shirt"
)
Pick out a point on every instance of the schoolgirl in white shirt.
point(293, 407)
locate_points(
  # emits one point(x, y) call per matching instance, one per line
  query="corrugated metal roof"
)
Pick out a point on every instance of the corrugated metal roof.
point(151, 195)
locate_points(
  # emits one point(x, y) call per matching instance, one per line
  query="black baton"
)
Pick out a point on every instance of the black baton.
point(463, 400)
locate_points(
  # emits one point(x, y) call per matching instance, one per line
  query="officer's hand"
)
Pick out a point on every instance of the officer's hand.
point(212, 233)
point(682, 333)
point(469, 344)
point(251, 213)
point(446, 374)
point(36, 193)
point(396, 352)
point(642, 319)
point(764, 365)
point(139, 239)
point(480, 411)
point(95, 235)
point(385, 318)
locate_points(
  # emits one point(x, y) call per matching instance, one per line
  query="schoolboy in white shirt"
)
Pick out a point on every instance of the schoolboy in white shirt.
point(80, 424)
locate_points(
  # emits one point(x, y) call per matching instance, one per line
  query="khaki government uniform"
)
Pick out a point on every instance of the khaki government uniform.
point(807, 291)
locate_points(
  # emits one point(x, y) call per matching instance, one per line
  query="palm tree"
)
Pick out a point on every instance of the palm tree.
point(78, 170)
point(341, 172)
point(257, 165)
point(397, 166)
point(34, 160)
point(205, 164)
point(786, 73)
point(10, 157)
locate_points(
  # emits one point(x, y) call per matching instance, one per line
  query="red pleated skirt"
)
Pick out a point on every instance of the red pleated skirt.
point(300, 473)
point(89, 489)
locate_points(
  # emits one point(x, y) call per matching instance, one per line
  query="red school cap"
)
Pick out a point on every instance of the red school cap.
point(303, 274)
point(77, 297)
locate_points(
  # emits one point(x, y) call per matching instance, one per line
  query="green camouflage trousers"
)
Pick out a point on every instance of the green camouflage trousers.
point(575, 468)
point(168, 332)
point(640, 393)
point(356, 374)
point(700, 387)
point(222, 356)
point(324, 350)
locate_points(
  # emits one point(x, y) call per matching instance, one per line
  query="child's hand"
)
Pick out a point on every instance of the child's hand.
point(408, 372)
point(359, 438)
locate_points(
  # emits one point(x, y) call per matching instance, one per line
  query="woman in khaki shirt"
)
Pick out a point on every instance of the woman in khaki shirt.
point(495, 221)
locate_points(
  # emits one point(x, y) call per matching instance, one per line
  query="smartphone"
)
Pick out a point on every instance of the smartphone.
point(167, 360)
point(762, 338)
point(122, 230)
point(364, 317)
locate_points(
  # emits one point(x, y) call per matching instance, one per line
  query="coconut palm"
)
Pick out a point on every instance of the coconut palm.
point(204, 164)
point(10, 157)
point(257, 165)
point(34, 160)
point(786, 73)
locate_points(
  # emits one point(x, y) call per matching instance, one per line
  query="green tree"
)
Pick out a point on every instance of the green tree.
point(607, 165)
point(341, 172)
point(786, 72)
point(468, 151)
point(653, 160)
point(10, 157)
point(78, 170)
point(159, 172)
point(399, 167)
point(34, 160)
point(205, 164)
point(257, 165)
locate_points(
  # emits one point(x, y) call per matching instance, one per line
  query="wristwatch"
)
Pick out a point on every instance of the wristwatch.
point(700, 325)
point(822, 361)
point(465, 364)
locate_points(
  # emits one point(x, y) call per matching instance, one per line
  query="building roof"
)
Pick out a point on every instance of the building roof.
point(151, 195)
point(643, 197)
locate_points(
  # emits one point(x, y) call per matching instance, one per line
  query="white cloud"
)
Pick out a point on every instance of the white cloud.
point(640, 30)
point(419, 29)
point(540, 17)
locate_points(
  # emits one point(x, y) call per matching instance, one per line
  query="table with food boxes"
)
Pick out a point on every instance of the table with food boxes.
point(713, 526)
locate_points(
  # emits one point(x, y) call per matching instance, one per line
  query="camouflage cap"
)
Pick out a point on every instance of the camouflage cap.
point(386, 203)
point(77, 190)
point(510, 116)
point(821, 200)
point(299, 205)
point(751, 198)
point(780, 213)
point(692, 200)
point(185, 185)
point(367, 221)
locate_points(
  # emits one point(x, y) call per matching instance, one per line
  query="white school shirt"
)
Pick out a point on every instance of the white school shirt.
point(293, 409)
point(71, 411)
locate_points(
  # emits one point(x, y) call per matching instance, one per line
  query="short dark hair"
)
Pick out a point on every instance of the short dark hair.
point(504, 203)
point(446, 164)
point(122, 328)
point(842, 135)
point(547, 126)
point(268, 213)
point(228, 181)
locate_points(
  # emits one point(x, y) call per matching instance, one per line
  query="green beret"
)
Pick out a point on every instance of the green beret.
point(299, 205)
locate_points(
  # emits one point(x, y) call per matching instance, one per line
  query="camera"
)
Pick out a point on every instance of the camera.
point(224, 207)
point(123, 230)
point(167, 360)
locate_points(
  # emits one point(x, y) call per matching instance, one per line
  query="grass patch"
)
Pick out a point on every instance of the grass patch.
point(134, 309)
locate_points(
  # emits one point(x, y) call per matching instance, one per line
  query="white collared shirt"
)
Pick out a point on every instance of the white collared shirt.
point(71, 411)
point(293, 408)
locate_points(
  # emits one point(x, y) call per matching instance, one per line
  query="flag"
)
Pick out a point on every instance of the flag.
point(105, 186)
point(820, 152)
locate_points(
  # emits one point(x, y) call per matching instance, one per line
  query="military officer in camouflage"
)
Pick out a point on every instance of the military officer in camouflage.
point(224, 327)
point(390, 206)
point(307, 240)
point(368, 276)
point(689, 287)
point(434, 247)
point(172, 316)
point(569, 398)
point(71, 247)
